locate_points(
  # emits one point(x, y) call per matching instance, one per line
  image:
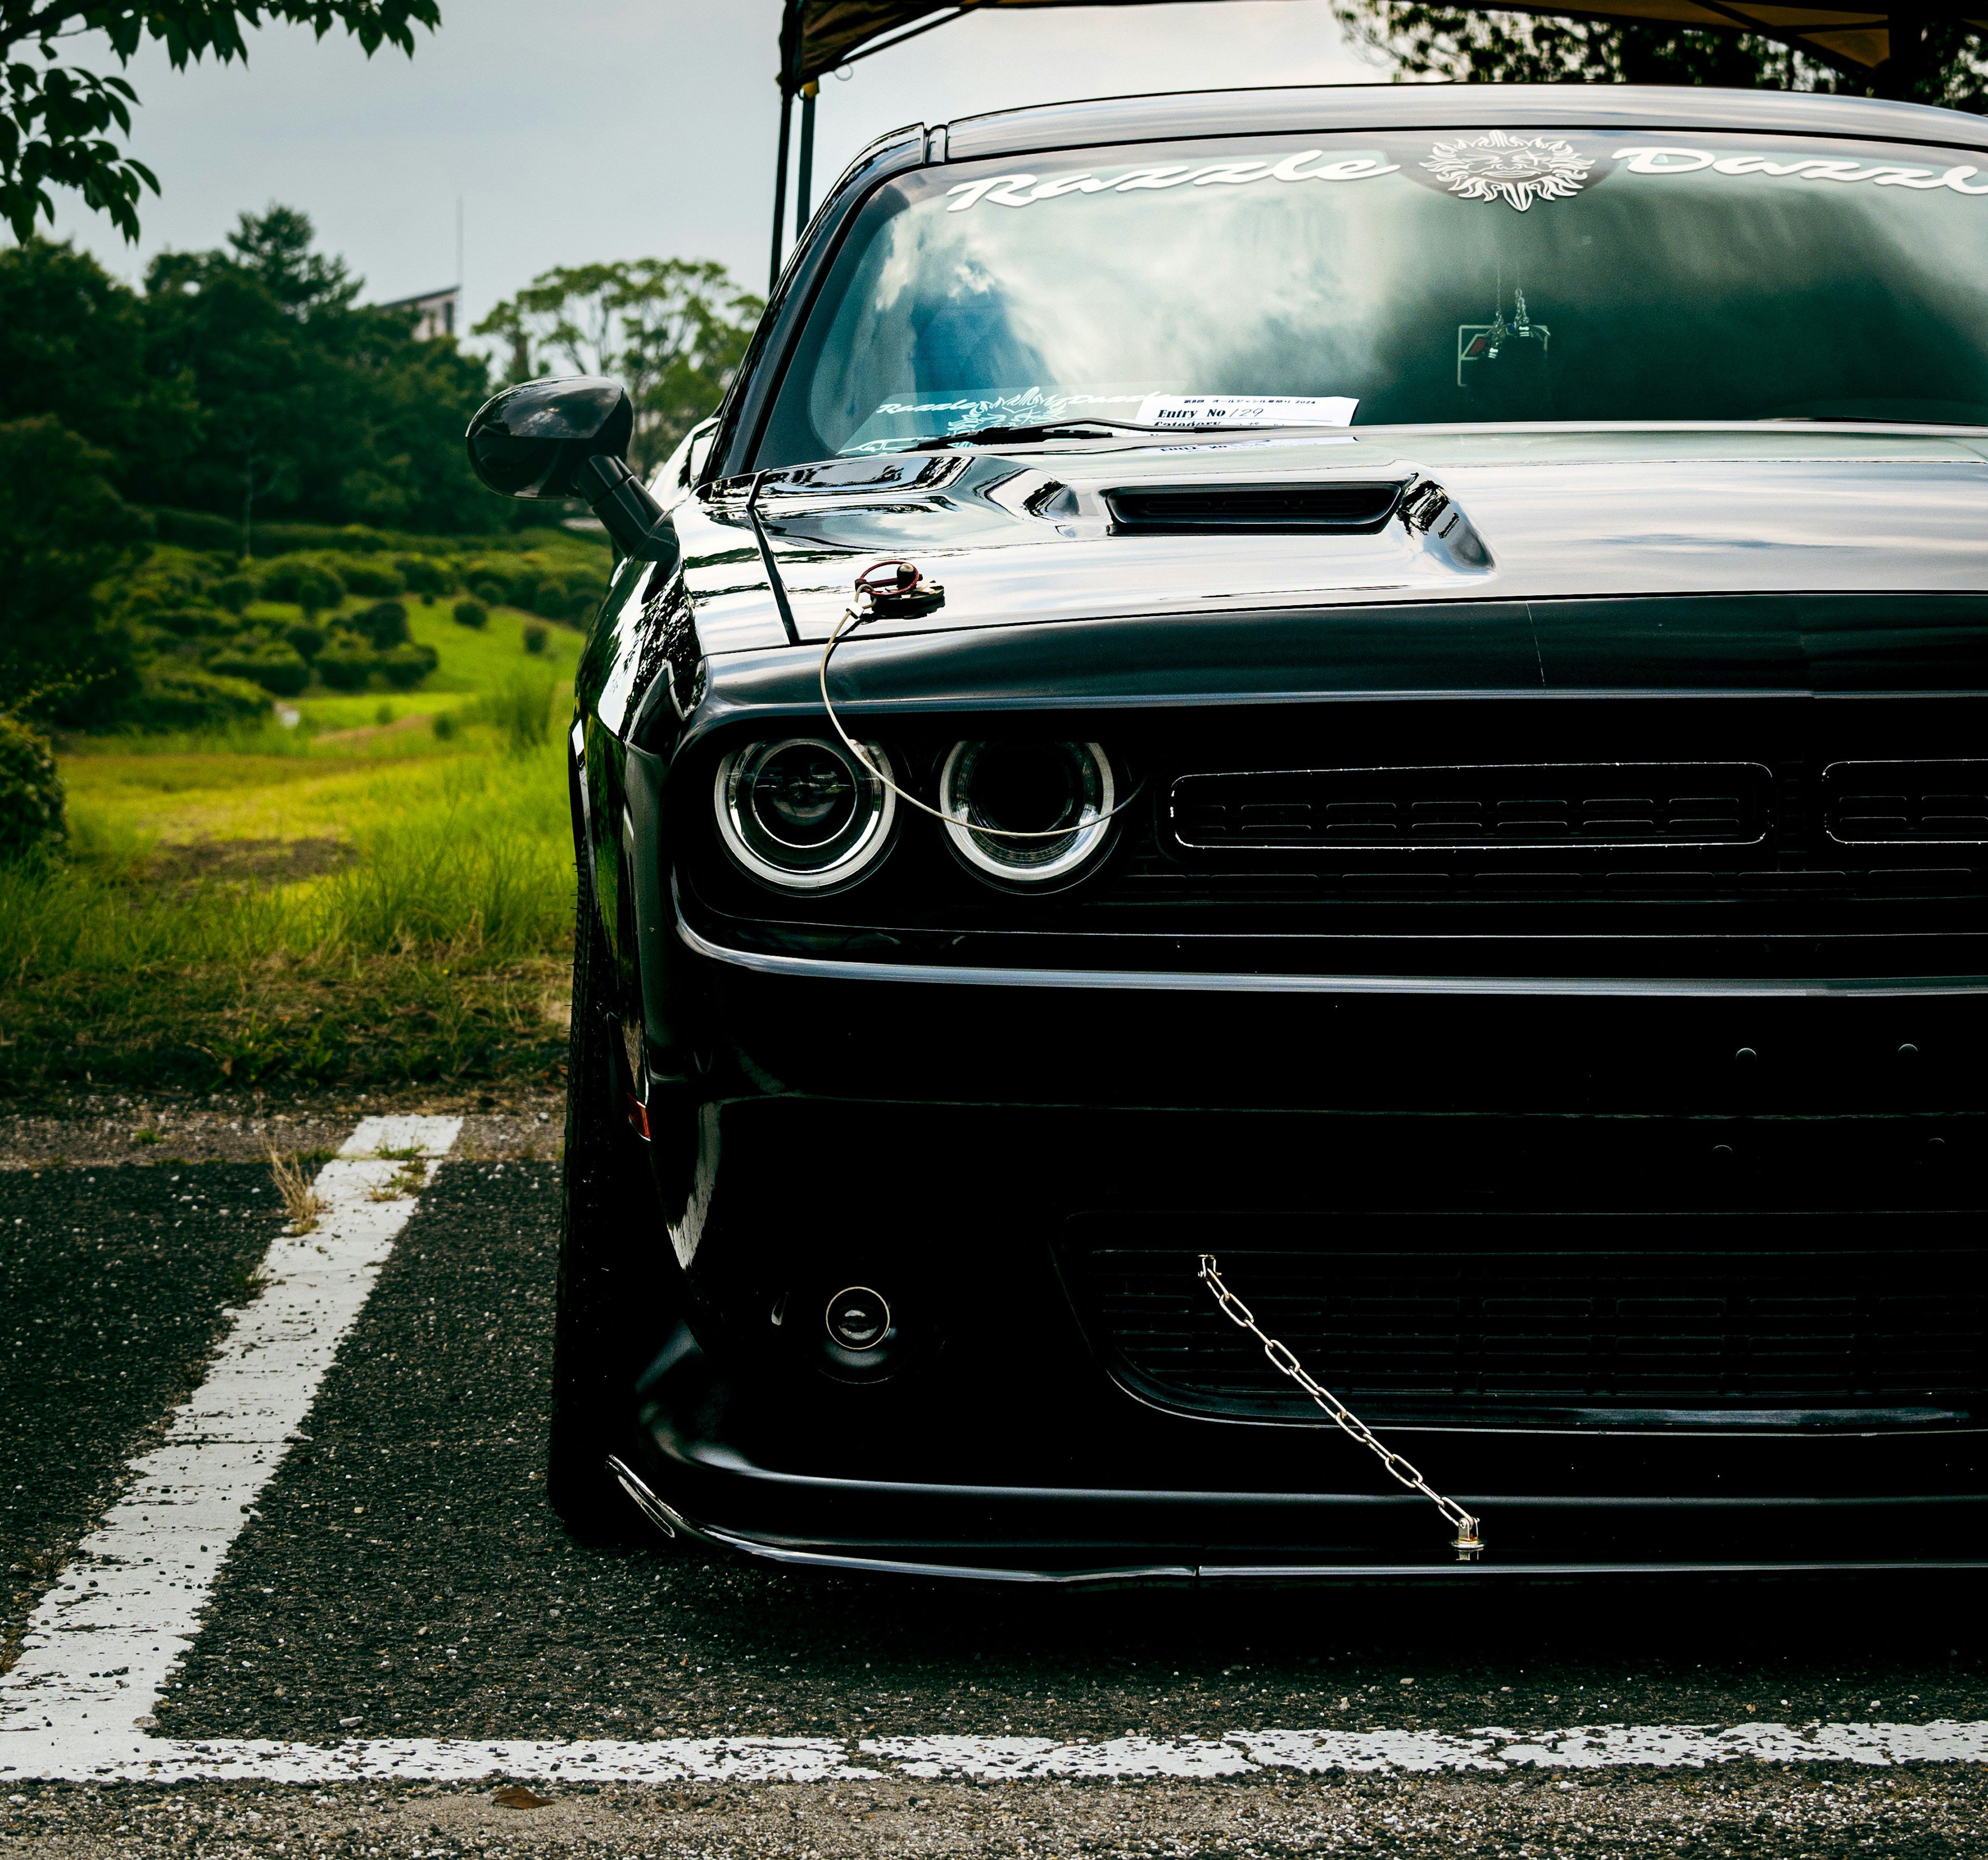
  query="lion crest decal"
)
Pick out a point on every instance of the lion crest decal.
point(1517, 170)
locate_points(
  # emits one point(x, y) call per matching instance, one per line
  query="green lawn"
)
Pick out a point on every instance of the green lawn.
point(352, 899)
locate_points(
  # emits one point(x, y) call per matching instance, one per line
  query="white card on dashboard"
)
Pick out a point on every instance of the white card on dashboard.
point(1201, 411)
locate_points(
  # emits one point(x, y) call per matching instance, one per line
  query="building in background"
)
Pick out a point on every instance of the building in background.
point(435, 311)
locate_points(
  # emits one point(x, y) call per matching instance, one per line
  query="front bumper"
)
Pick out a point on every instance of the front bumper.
point(737, 1468)
point(955, 1146)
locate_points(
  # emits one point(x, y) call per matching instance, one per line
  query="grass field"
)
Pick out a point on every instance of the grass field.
point(377, 895)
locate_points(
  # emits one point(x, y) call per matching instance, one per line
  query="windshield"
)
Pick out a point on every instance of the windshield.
point(1476, 275)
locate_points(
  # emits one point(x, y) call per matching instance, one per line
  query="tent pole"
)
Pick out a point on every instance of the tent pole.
point(1898, 77)
point(780, 190)
point(790, 60)
point(804, 181)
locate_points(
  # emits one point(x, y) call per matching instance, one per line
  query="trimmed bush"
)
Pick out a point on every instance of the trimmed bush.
point(535, 638)
point(472, 614)
point(192, 623)
point(235, 593)
point(281, 669)
point(308, 640)
point(405, 665)
point(490, 592)
point(550, 600)
point(385, 623)
point(31, 819)
point(278, 581)
point(420, 575)
point(174, 697)
point(317, 592)
point(373, 581)
point(445, 726)
point(345, 664)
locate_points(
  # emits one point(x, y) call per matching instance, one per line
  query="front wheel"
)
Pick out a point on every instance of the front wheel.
point(610, 1224)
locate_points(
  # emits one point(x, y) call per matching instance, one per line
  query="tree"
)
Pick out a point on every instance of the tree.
point(672, 330)
point(1463, 44)
point(55, 115)
point(73, 344)
point(62, 529)
point(309, 400)
point(244, 380)
point(274, 248)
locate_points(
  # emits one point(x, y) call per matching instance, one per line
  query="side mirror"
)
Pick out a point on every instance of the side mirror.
point(568, 438)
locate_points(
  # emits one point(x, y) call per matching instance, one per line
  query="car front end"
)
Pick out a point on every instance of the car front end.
point(1387, 691)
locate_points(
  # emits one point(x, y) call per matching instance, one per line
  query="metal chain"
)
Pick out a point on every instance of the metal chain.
point(1467, 1544)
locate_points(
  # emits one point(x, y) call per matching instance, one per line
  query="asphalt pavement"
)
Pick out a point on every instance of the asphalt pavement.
point(399, 1576)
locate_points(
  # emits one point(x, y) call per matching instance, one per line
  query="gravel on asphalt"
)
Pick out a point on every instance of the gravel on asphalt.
point(1916, 1815)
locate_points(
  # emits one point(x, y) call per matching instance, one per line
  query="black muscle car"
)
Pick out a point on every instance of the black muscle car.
point(1405, 754)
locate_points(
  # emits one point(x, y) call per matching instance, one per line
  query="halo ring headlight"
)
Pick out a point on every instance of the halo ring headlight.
point(802, 814)
point(1004, 802)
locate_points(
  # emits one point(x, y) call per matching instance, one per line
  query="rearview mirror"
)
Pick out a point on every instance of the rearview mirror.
point(568, 438)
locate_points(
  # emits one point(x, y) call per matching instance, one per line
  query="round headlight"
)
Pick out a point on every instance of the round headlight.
point(1058, 794)
point(802, 813)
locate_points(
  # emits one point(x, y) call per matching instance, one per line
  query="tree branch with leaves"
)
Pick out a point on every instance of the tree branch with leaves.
point(56, 117)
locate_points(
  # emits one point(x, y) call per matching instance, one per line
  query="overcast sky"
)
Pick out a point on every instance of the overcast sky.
point(576, 130)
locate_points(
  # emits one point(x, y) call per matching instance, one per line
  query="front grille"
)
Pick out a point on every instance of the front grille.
point(1426, 1326)
point(1506, 805)
point(1880, 802)
point(1165, 509)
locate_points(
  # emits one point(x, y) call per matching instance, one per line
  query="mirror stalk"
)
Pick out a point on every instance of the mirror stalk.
point(634, 521)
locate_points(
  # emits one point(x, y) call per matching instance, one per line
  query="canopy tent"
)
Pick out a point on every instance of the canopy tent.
point(1883, 45)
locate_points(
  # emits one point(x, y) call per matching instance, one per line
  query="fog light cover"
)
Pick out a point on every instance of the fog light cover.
point(1061, 793)
point(804, 814)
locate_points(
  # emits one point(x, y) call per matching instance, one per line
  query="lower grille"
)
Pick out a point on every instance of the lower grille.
point(1429, 1329)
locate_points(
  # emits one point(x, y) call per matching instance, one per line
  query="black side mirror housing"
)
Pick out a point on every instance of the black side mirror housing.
point(568, 438)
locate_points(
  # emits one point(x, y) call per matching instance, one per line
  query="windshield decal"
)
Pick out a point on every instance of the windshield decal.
point(923, 416)
point(1883, 174)
point(1517, 170)
point(1026, 189)
point(1199, 411)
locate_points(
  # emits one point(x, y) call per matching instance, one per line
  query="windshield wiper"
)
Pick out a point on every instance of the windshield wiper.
point(1092, 429)
point(1026, 435)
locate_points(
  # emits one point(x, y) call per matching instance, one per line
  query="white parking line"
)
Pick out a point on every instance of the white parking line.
point(106, 1635)
point(105, 1639)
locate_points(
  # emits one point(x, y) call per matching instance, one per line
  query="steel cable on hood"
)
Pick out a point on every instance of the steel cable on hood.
point(851, 617)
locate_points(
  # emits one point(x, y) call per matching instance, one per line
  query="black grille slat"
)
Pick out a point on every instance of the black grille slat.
point(1879, 803)
point(1163, 509)
point(1748, 1328)
point(1495, 805)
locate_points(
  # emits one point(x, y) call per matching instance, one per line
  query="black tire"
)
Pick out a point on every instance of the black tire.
point(607, 1301)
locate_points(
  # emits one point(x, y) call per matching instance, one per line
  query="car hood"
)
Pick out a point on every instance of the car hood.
point(1491, 514)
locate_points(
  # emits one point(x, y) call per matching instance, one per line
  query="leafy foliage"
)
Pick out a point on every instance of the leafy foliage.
point(55, 116)
point(244, 381)
point(1468, 45)
point(31, 793)
point(673, 330)
point(62, 529)
point(308, 399)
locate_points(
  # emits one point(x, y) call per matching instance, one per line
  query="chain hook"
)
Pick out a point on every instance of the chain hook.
point(1468, 1543)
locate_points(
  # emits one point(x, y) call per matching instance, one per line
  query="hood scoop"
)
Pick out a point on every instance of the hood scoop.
point(1253, 509)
